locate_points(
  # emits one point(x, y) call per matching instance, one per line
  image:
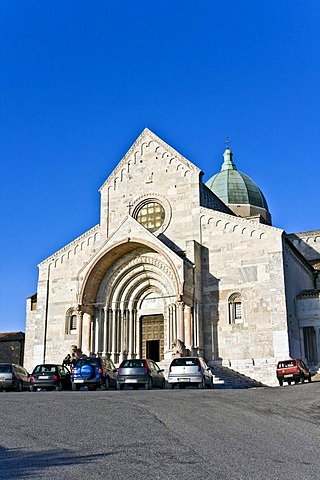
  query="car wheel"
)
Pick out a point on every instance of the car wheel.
point(280, 383)
point(163, 384)
point(149, 384)
point(202, 384)
point(289, 382)
point(59, 387)
point(309, 378)
point(19, 387)
point(75, 387)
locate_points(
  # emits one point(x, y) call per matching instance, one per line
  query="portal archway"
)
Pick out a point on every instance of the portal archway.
point(125, 290)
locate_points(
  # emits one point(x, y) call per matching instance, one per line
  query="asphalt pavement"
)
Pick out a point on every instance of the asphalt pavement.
point(261, 433)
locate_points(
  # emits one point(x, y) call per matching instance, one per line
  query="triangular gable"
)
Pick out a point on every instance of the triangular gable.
point(144, 140)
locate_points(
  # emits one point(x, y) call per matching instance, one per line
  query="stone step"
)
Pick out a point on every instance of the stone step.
point(227, 378)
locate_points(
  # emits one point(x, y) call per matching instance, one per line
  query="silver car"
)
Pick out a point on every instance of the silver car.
point(140, 373)
point(185, 371)
point(13, 377)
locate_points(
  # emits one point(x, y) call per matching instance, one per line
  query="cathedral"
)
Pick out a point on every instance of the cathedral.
point(173, 258)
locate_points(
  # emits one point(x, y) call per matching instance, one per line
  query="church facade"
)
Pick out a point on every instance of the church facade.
point(173, 258)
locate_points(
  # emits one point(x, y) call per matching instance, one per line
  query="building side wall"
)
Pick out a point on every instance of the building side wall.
point(298, 277)
point(246, 258)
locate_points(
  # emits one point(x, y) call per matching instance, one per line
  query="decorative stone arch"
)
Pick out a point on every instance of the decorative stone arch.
point(122, 283)
point(116, 285)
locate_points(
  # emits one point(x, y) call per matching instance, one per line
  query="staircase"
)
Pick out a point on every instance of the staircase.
point(223, 377)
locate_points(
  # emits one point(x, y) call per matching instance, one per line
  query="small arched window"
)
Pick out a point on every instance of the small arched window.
point(235, 309)
point(71, 322)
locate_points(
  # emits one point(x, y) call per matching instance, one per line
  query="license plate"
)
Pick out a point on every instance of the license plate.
point(131, 380)
point(44, 377)
point(288, 376)
point(183, 379)
point(78, 381)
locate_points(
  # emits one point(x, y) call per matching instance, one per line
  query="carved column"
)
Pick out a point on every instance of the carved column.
point(130, 320)
point(138, 337)
point(105, 332)
point(118, 338)
point(180, 333)
point(109, 331)
point(167, 320)
point(79, 328)
point(174, 322)
point(97, 332)
point(114, 334)
point(188, 326)
point(123, 334)
point(92, 333)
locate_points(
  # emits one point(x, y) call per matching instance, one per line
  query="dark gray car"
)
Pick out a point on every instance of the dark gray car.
point(139, 372)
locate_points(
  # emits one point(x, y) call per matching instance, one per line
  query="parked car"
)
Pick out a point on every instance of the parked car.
point(293, 370)
point(94, 372)
point(50, 376)
point(184, 371)
point(139, 372)
point(13, 377)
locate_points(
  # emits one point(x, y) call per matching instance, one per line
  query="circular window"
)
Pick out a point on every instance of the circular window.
point(151, 215)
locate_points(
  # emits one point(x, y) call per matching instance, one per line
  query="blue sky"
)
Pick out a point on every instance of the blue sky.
point(81, 79)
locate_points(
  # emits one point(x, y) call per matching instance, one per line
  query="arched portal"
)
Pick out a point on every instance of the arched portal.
point(133, 296)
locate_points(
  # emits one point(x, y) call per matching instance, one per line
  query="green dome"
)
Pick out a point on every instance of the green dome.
point(234, 187)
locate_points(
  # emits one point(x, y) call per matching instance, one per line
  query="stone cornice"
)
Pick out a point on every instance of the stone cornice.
point(309, 293)
point(72, 244)
point(245, 222)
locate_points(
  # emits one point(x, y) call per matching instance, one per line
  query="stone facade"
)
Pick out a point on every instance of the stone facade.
point(168, 261)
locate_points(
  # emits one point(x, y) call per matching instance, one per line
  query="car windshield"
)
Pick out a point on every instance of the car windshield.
point(184, 362)
point(5, 368)
point(286, 364)
point(132, 364)
point(45, 369)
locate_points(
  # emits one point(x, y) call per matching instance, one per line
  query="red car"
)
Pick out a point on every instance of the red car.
point(293, 370)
